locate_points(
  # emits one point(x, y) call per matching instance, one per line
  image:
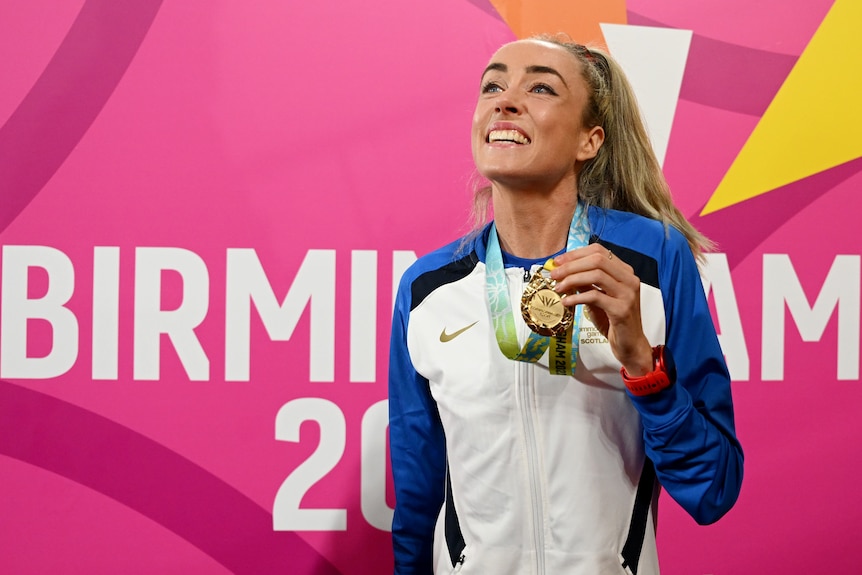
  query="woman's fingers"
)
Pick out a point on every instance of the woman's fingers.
point(610, 292)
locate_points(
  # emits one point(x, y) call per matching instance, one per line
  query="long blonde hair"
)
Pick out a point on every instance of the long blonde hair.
point(625, 174)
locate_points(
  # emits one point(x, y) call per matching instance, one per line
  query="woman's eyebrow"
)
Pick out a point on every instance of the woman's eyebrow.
point(546, 70)
point(499, 67)
point(535, 69)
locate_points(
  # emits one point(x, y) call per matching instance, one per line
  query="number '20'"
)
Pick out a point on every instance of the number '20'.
point(286, 513)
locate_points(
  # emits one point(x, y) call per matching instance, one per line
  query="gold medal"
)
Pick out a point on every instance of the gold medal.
point(542, 307)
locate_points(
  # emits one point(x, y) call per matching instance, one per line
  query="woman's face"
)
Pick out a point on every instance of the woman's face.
point(527, 130)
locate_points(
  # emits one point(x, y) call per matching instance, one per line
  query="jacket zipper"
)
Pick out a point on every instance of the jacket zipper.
point(526, 396)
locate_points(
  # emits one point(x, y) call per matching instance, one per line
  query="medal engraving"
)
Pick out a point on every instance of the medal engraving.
point(542, 307)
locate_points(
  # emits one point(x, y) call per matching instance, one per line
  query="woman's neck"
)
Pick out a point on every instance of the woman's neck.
point(532, 224)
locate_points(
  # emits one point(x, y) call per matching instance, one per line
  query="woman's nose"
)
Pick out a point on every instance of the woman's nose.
point(506, 103)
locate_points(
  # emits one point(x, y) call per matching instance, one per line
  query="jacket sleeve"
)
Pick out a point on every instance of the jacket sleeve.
point(417, 451)
point(689, 429)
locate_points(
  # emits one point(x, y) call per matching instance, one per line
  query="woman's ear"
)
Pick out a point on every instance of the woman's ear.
point(591, 142)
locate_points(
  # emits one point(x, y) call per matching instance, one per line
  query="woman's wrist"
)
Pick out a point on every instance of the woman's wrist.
point(641, 362)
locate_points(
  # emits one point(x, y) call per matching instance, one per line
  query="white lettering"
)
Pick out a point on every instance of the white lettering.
point(286, 512)
point(363, 316)
point(16, 308)
point(106, 311)
point(151, 321)
point(247, 282)
point(840, 290)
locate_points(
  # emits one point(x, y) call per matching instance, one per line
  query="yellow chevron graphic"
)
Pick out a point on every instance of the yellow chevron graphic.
point(815, 121)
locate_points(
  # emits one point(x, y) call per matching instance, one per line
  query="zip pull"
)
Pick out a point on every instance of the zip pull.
point(526, 274)
point(459, 565)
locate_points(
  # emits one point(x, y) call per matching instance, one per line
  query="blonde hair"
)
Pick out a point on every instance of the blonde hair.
point(625, 174)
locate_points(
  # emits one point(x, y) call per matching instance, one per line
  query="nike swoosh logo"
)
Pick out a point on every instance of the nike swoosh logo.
point(444, 337)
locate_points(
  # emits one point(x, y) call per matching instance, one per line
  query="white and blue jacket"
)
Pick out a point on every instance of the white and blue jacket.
point(502, 468)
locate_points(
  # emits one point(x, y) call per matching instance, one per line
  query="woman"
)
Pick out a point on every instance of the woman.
point(541, 449)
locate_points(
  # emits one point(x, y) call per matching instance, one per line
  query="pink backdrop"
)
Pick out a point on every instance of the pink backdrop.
point(204, 207)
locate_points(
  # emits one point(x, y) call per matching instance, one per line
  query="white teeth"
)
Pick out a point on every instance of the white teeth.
point(508, 136)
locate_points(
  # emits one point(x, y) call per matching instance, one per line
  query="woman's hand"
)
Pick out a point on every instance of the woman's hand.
point(610, 291)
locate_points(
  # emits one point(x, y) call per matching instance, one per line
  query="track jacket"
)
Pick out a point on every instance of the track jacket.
point(501, 467)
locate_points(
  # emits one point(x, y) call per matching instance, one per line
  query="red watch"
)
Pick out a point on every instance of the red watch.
point(661, 377)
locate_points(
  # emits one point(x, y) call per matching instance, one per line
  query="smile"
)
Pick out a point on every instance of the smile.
point(513, 136)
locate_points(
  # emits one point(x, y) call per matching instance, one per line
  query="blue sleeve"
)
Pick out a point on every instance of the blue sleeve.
point(689, 430)
point(417, 450)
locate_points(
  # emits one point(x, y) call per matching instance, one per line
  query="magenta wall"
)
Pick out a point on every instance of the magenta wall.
point(204, 207)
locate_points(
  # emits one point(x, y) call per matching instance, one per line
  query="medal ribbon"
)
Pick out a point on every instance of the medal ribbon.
point(564, 350)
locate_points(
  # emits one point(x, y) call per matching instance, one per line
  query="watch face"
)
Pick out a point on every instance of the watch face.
point(667, 363)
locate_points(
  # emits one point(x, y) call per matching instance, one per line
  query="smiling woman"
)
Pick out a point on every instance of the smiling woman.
point(535, 102)
point(537, 442)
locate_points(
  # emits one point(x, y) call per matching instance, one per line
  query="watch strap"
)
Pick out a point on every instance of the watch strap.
point(661, 377)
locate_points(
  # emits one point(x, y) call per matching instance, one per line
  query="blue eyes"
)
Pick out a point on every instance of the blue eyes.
point(539, 88)
point(543, 89)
